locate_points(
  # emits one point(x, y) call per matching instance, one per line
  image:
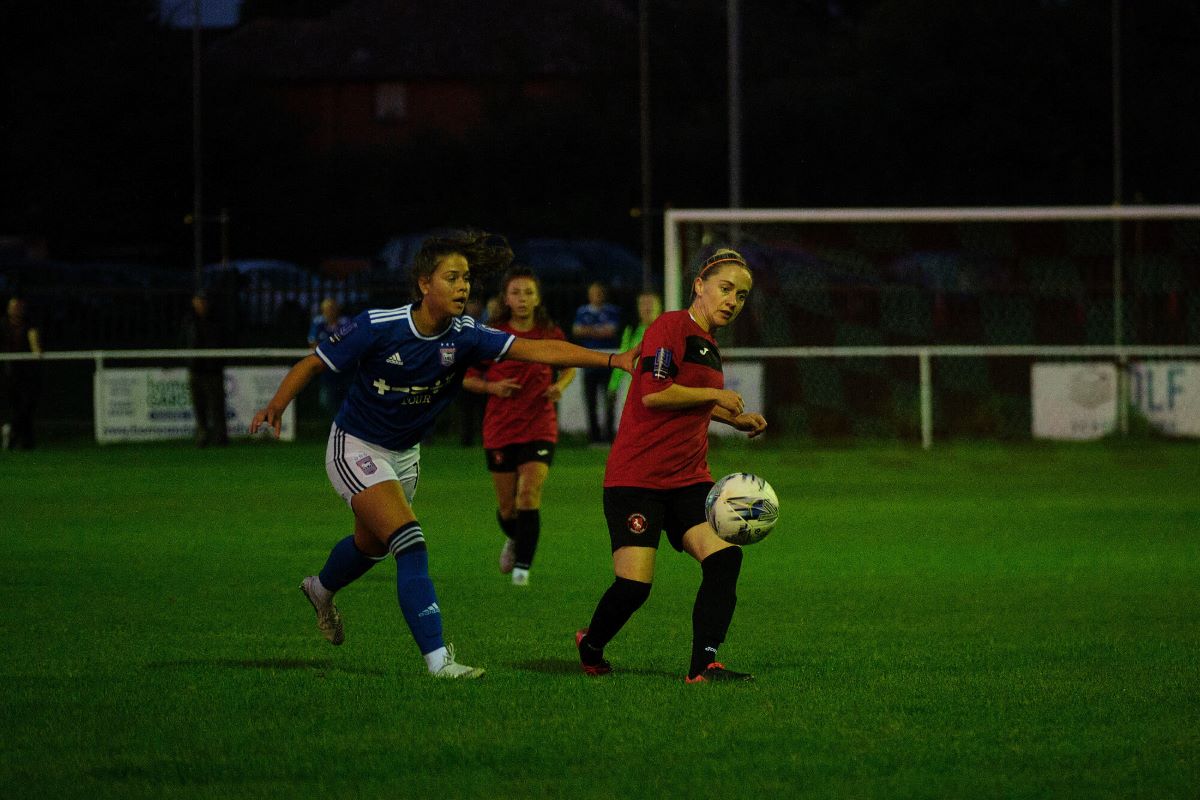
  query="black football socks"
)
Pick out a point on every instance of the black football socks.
point(715, 602)
point(612, 612)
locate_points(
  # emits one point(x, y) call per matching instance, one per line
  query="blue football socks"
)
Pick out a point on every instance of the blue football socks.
point(346, 563)
point(414, 588)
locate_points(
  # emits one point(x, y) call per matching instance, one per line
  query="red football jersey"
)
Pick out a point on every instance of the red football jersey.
point(667, 448)
point(527, 416)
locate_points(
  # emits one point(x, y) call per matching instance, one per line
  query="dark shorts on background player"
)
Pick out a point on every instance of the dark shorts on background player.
point(637, 517)
point(508, 458)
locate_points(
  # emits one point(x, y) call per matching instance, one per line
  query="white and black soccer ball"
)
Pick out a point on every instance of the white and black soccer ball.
point(742, 508)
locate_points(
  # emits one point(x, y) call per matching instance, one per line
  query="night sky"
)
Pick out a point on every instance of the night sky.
point(852, 103)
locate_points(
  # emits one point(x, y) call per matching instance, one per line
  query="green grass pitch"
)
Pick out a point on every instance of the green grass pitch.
point(977, 621)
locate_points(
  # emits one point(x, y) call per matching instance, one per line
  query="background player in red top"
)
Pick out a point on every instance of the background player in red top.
point(520, 424)
point(657, 475)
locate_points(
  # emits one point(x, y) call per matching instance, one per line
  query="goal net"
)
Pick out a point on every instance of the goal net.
point(866, 318)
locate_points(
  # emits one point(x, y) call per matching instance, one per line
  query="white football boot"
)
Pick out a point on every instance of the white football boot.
point(329, 621)
point(452, 669)
point(508, 556)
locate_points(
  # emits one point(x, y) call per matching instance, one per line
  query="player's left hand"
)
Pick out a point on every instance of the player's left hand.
point(752, 424)
point(553, 393)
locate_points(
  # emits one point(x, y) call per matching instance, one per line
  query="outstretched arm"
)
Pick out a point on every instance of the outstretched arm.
point(297, 378)
point(557, 353)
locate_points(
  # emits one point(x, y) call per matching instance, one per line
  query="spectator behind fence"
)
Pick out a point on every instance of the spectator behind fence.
point(21, 379)
point(333, 385)
point(596, 326)
point(206, 376)
point(649, 307)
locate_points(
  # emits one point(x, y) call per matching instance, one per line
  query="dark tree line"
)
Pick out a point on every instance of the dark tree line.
point(873, 102)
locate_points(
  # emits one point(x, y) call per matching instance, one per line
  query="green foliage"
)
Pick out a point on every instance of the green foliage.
point(978, 621)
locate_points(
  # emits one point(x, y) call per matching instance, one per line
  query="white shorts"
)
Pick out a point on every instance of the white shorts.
point(353, 465)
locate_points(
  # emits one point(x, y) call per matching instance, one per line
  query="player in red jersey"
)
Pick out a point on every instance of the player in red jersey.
point(520, 424)
point(657, 475)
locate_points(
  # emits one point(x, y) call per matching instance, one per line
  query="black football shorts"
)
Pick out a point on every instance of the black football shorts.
point(637, 517)
point(508, 458)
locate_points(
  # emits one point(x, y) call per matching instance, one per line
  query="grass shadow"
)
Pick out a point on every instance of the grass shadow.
point(565, 666)
point(268, 664)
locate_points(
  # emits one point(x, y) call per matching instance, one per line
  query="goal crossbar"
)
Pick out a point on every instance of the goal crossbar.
point(673, 268)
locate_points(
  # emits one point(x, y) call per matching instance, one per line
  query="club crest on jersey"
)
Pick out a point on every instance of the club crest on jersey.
point(447, 355)
point(636, 523)
point(662, 363)
point(365, 464)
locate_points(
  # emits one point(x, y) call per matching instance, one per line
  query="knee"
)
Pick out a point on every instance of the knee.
point(632, 593)
point(368, 545)
point(529, 498)
point(723, 565)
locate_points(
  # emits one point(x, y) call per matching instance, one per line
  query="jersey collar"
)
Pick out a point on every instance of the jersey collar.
point(412, 326)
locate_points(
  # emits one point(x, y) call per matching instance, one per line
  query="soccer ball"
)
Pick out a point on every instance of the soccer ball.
point(742, 508)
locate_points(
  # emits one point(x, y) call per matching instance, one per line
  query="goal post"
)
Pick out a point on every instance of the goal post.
point(982, 292)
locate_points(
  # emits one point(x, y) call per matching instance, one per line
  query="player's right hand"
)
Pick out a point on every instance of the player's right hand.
point(628, 360)
point(505, 388)
point(272, 418)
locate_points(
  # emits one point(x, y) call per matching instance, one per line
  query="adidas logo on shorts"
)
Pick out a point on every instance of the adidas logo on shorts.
point(394, 358)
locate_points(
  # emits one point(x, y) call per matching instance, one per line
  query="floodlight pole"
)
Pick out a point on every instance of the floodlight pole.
point(197, 172)
point(1117, 243)
point(644, 117)
point(734, 33)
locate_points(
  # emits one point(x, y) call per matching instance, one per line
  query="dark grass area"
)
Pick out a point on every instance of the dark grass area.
point(978, 621)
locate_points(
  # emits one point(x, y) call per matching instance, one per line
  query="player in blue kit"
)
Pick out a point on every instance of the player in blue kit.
point(410, 363)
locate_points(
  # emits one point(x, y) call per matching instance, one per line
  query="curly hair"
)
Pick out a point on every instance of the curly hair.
point(541, 317)
point(487, 254)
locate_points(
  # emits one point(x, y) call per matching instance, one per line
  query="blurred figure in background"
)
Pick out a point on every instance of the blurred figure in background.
point(206, 376)
point(649, 307)
point(520, 429)
point(596, 326)
point(493, 308)
point(333, 385)
point(21, 378)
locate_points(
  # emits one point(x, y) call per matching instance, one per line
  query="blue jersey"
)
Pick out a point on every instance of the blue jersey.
point(404, 379)
point(607, 314)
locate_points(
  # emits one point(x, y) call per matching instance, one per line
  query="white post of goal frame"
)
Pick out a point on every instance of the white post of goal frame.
point(672, 266)
point(926, 381)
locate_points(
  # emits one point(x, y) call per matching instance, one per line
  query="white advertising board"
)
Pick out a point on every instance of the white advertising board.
point(745, 378)
point(1167, 393)
point(147, 404)
point(1074, 400)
